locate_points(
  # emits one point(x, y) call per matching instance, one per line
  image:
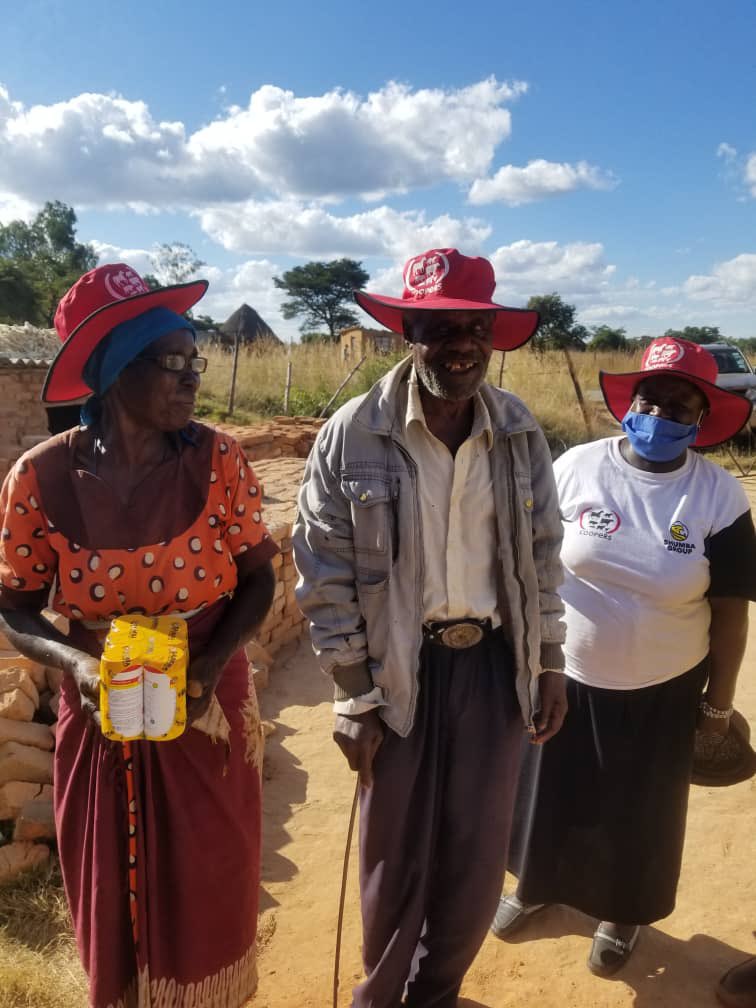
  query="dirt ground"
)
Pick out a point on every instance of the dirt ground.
point(308, 795)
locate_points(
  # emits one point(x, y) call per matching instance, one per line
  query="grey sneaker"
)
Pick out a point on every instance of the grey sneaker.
point(512, 914)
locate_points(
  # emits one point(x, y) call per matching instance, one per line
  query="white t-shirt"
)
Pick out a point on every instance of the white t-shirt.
point(635, 553)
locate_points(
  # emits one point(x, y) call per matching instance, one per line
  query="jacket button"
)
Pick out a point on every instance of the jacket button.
point(363, 496)
point(529, 503)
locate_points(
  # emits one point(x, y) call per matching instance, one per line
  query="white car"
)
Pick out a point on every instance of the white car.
point(735, 372)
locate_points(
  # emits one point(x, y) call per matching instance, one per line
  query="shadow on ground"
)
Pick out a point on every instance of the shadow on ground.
point(663, 971)
point(284, 779)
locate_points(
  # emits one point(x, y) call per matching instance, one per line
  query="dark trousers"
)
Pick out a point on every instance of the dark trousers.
point(434, 828)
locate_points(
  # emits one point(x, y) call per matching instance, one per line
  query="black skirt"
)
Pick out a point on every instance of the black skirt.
point(600, 814)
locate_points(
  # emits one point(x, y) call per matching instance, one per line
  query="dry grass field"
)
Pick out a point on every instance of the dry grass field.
point(541, 379)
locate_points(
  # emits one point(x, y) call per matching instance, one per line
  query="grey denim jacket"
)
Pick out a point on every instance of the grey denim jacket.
point(358, 547)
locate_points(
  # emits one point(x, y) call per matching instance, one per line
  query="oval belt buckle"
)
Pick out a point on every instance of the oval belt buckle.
point(463, 635)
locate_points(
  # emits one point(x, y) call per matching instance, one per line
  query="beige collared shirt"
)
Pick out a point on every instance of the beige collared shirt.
point(457, 515)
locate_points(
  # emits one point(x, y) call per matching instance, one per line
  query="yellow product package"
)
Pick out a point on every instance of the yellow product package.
point(143, 678)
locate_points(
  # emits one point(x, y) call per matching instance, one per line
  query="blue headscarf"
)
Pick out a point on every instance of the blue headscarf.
point(119, 348)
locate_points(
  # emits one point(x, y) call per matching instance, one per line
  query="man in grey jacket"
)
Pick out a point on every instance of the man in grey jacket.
point(427, 545)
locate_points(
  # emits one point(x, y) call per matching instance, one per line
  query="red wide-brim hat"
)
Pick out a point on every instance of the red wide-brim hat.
point(447, 280)
point(728, 411)
point(98, 302)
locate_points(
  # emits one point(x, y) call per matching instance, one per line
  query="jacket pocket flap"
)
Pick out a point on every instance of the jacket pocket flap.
point(366, 491)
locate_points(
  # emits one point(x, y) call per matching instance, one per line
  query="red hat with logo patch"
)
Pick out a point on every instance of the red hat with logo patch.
point(728, 411)
point(98, 302)
point(446, 280)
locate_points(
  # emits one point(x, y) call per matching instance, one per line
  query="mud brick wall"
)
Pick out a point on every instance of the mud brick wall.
point(279, 437)
point(23, 421)
point(280, 479)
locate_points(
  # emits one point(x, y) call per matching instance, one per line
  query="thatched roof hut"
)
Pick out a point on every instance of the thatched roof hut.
point(249, 325)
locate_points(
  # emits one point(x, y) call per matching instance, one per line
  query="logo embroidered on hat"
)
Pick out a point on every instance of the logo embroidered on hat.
point(124, 283)
point(425, 273)
point(446, 273)
point(664, 354)
point(680, 356)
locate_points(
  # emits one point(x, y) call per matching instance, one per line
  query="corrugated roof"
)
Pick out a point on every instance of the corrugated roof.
point(21, 362)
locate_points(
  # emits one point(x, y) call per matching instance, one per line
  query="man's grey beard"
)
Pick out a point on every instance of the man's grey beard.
point(433, 384)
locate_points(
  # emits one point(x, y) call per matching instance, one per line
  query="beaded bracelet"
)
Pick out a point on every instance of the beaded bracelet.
point(714, 712)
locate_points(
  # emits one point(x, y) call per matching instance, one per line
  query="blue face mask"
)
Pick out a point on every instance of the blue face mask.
point(656, 439)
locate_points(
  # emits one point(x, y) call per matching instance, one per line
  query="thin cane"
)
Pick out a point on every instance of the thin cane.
point(344, 873)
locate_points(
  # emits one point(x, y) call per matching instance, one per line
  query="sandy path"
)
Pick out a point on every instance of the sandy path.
point(308, 796)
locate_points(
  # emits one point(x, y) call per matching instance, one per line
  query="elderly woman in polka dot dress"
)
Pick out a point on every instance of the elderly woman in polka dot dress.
point(141, 510)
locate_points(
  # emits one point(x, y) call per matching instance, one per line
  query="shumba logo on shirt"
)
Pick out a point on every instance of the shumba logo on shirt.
point(677, 542)
point(599, 522)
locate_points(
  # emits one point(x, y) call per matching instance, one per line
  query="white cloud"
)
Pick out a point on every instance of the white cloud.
point(539, 179)
point(13, 208)
point(730, 282)
point(97, 150)
point(750, 173)
point(138, 259)
point(299, 229)
point(249, 282)
point(525, 268)
point(609, 314)
point(727, 152)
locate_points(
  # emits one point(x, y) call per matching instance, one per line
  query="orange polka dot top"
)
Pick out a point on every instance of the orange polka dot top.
point(188, 532)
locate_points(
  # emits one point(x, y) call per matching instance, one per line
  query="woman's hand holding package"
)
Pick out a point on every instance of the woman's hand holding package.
point(84, 669)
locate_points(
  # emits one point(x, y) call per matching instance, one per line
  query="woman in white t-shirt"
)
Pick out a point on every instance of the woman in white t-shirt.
point(660, 561)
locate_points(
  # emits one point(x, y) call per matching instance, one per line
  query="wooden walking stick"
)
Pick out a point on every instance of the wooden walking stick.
point(337, 956)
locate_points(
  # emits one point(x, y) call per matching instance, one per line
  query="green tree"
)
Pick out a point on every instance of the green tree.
point(174, 263)
point(604, 337)
point(557, 329)
point(18, 299)
point(315, 337)
point(748, 346)
point(48, 257)
point(202, 323)
point(696, 334)
point(320, 292)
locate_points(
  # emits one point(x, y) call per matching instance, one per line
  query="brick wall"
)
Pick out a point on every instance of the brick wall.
point(280, 479)
point(23, 421)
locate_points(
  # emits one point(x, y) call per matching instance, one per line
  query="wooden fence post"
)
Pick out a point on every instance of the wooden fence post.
point(578, 392)
point(232, 390)
point(287, 389)
point(335, 395)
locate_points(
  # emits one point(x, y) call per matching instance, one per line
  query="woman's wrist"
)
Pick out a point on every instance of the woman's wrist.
point(710, 711)
point(716, 723)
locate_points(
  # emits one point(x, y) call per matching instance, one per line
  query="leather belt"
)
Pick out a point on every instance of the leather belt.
point(457, 634)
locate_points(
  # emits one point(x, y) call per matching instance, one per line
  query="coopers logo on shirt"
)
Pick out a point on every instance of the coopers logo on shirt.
point(678, 536)
point(599, 521)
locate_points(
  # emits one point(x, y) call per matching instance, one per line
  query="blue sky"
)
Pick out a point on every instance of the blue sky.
point(606, 151)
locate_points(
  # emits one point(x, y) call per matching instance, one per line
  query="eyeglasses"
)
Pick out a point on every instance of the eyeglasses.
point(179, 362)
point(669, 406)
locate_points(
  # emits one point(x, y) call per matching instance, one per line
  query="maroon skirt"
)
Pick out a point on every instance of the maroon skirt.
point(193, 858)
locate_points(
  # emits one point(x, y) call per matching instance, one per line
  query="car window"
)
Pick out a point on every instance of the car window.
point(730, 361)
